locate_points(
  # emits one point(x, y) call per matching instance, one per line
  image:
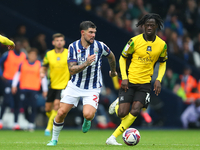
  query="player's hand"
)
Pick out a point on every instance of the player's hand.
point(124, 85)
point(14, 90)
point(112, 74)
point(44, 94)
point(42, 75)
point(11, 47)
point(157, 87)
point(90, 59)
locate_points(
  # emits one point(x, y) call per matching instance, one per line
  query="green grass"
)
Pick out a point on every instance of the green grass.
point(95, 140)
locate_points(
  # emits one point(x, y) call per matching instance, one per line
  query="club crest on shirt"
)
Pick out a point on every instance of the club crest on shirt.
point(148, 49)
point(96, 50)
point(58, 58)
point(78, 51)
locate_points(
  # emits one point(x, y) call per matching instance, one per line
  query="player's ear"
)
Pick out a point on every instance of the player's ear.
point(53, 42)
point(82, 32)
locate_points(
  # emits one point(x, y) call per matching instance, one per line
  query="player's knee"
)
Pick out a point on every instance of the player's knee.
point(47, 109)
point(62, 113)
point(56, 107)
point(88, 116)
point(135, 111)
point(122, 113)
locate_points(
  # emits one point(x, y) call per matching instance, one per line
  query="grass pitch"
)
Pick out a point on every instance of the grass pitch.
point(95, 140)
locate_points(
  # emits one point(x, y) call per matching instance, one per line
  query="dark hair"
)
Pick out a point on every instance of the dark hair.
point(87, 24)
point(33, 49)
point(157, 18)
point(56, 35)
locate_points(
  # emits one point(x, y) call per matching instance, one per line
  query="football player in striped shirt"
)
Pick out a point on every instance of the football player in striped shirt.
point(84, 61)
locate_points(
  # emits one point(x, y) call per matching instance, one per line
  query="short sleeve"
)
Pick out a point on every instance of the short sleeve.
point(45, 62)
point(106, 49)
point(163, 56)
point(128, 49)
point(72, 56)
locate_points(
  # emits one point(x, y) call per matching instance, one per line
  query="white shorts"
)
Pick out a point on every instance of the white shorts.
point(71, 95)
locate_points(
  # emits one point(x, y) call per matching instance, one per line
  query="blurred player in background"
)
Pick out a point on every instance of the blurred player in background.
point(28, 77)
point(56, 61)
point(146, 49)
point(84, 60)
point(10, 62)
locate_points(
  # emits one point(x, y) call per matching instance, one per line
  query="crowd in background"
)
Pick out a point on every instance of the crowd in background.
point(181, 32)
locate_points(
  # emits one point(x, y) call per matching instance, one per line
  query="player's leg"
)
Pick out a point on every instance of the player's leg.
point(90, 105)
point(48, 109)
point(33, 106)
point(88, 114)
point(53, 114)
point(17, 105)
point(54, 111)
point(66, 104)
point(7, 100)
point(122, 109)
point(112, 106)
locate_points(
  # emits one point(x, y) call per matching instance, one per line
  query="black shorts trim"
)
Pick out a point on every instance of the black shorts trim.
point(53, 94)
point(136, 92)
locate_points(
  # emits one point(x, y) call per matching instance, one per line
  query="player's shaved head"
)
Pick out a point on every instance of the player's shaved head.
point(86, 25)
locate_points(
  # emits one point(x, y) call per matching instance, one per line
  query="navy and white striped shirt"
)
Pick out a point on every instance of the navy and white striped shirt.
point(90, 77)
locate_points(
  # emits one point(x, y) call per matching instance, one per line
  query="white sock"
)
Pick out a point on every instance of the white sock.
point(112, 137)
point(57, 127)
point(31, 126)
point(1, 121)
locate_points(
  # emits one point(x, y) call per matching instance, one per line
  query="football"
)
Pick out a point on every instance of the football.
point(131, 136)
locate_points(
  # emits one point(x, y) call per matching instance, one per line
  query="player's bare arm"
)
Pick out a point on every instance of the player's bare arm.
point(43, 71)
point(112, 63)
point(74, 68)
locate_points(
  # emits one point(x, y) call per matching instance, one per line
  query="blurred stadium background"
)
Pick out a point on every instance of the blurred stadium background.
point(36, 21)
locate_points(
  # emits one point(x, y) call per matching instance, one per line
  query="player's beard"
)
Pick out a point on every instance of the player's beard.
point(88, 41)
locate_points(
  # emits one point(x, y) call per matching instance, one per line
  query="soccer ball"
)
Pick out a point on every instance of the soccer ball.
point(131, 136)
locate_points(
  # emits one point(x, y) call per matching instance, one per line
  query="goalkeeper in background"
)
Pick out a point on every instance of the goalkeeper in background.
point(56, 61)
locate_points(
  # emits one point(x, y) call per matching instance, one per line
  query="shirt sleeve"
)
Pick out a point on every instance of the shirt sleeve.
point(128, 49)
point(44, 84)
point(16, 79)
point(163, 56)
point(106, 49)
point(45, 62)
point(4, 40)
point(72, 54)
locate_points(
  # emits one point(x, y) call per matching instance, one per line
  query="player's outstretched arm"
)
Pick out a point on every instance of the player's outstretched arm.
point(74, 68)
point(112, 63)
point(122, 64)
point(5, 41)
